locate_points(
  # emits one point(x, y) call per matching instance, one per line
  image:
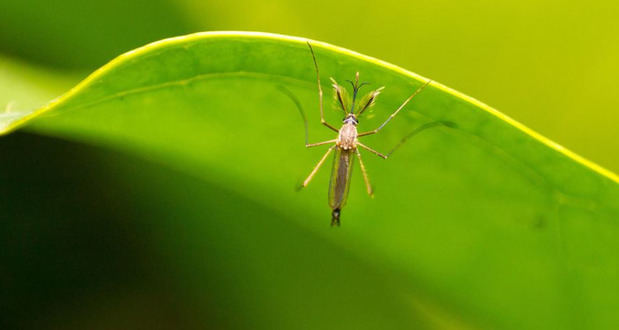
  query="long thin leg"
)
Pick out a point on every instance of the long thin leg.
point(397, 110)
point(300, 108)
point(419, 130)
point(368, 186)
point(316, 168)
point(309, 145)
point(372, 150)
point(322, 114)
point(408, 136)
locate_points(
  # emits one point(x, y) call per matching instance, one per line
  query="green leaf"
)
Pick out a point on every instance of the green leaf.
point(479, 224)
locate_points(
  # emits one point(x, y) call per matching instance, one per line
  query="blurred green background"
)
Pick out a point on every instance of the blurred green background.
point(85, 238)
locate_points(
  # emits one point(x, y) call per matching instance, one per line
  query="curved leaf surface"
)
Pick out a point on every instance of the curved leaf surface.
point(486, 220)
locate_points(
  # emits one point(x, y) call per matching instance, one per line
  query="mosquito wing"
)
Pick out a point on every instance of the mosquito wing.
point(339, 184)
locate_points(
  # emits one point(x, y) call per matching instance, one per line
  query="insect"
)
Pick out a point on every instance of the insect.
point(346, 146)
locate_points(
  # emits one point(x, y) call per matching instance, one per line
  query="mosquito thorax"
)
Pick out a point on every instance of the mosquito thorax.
point(347, 138)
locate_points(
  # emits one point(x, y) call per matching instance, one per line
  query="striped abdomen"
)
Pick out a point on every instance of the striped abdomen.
point(340, 182)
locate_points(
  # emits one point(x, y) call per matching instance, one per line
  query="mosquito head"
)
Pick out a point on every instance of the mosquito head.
point(351, 119)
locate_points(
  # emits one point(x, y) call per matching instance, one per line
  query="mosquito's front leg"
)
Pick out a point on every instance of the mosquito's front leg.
point(396, 111)
point(322, 114)
point(316, 168)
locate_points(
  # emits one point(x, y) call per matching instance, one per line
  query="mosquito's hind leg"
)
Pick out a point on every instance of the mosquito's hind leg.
point(316, 168)
point(368, 186)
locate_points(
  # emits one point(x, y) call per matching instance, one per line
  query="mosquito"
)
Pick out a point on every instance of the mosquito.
point(346, 145)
